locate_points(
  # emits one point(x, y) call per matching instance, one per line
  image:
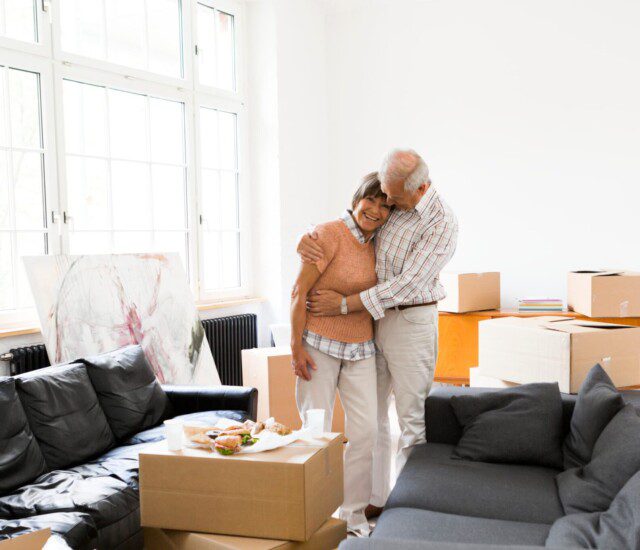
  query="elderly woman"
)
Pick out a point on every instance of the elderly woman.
point(332, 353)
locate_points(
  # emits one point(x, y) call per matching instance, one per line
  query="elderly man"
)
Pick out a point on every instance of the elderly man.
point(411, 248)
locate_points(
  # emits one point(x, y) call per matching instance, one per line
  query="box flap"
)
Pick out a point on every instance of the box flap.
point(576, 326)
point(601, 273)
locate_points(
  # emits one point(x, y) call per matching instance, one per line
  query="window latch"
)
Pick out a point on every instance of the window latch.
point(196, 49)
point(45, 5)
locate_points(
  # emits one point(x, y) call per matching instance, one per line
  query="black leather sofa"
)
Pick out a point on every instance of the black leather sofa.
point(442, 503)
point(69, 442)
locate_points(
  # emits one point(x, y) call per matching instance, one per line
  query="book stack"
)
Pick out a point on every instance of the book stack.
point(540, 304)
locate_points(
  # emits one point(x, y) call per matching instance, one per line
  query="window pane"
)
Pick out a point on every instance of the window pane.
point(19, 20)
point(128, 125)
point(24, 105)
point(216, 48)
point(4, 109)
point(230, 259)
point(88, 192)
point(167, 131)
point(228, 200)
point(85, 118)
point(172, 241)
point(209, 150)
point(131, 195)
point(169, 197)
point(132, 241)
point(6, 272)
point(227, 137)
point(211, 257)
point(5, 214)
point(210, 198)
point(28, 244)
point(144, 34)
point(89, 242)
point(28, 190)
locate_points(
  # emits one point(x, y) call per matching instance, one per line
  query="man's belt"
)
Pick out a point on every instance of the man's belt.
point(417, 305)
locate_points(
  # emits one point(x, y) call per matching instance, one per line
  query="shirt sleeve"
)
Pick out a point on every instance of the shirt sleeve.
point(430, 254)
point(329, 243)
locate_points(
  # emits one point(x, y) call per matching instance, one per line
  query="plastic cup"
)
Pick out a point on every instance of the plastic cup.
point(173, 429)
point(315, 422)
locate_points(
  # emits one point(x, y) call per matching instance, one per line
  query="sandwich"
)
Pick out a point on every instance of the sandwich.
point(278, 428)
point(228, 444)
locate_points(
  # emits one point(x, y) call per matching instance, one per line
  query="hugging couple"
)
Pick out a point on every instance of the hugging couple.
point(378, 262)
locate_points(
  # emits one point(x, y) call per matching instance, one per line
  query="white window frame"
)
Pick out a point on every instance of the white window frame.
point(55, 65)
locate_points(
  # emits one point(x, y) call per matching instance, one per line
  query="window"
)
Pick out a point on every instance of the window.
point(146, 141)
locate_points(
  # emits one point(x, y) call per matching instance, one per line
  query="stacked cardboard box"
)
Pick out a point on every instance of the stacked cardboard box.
point(470, 291)
point(604, 293)
point(287, 494)
point(558, 349)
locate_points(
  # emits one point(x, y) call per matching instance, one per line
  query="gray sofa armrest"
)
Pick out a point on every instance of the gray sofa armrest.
point(190, 399)
point(398, 544)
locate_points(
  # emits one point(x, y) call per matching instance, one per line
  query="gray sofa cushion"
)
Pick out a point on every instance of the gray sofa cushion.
point(616, 529)
point(521, 425)
point(432, 480)
point(129, 393)
point(21, 460)
point(598, 402)
point(413, 524)
point(396, 544)
point(64, 414)
point(615, 459)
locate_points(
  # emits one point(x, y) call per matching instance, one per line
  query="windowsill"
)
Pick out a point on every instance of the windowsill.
point(20, 329)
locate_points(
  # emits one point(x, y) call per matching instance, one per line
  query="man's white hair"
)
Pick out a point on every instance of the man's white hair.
point(404, 165)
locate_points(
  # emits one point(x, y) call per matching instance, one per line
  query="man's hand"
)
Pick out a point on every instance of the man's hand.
point(324, 303)
point(308, 248)
point(302, 363)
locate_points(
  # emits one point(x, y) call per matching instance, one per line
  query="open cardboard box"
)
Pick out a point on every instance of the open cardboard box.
point(29, 541)
point(604, 293)
point(470, 291)
point(331, 533)
point(558, 349)
point(284, 494)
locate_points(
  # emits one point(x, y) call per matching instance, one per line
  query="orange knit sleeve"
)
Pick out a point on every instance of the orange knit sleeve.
point(328, 239)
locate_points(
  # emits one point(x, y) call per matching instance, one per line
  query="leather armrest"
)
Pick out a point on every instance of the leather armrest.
point(190, 399)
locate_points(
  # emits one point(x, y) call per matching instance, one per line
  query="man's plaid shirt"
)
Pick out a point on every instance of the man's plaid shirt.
point(411, 250)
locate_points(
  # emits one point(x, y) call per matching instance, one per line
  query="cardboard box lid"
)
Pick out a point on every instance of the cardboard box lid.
point(28, 541)
point(567, 325)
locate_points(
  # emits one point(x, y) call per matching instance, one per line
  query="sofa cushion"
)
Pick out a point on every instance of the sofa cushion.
point(414, 524)
point(21, 460)
point(598, 402)
point(64, 414)
point(129, 393)
point(615, 459)
point(76, 528)
point(617, 528)
point(521, 425)
point(432, 480)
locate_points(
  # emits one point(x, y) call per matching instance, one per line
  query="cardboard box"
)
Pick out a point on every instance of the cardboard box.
point(470, 291)
point(604, 293)
point(284, 494)
point(29, 541)
point(269, 370)
point(558, 349)
point(477, 379)
point(330, 535)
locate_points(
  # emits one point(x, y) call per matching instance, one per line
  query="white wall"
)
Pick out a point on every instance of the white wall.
point(528, 113)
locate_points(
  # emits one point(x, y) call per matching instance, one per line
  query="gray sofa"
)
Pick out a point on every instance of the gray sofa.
point(442, 502)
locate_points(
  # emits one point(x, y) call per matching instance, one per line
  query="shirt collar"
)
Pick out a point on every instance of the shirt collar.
point(347, 218)
point(426, 200)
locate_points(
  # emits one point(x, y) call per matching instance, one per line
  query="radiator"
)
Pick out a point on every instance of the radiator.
point(227, 337)
point(27, 358)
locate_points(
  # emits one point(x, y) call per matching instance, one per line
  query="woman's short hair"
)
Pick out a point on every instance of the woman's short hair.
point(369, 187)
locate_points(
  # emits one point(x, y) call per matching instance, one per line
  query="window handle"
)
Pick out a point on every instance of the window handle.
point(196, 49)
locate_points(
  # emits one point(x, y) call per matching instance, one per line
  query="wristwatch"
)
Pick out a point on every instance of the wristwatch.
point(343, 306)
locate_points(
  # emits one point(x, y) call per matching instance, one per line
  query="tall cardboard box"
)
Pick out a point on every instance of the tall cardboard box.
point(604, 293)
point(558, 349)
point(269, 370)
point(332, 532)
point(284, 494)
point(470, 291)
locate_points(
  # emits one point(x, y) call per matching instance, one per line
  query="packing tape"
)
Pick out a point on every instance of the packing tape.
point(624, 308)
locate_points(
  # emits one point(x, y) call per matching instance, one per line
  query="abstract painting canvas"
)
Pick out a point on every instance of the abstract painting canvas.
point(96, 303)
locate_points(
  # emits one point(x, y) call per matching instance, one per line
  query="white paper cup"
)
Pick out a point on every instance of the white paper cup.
point(173, 430)
point(315, 422)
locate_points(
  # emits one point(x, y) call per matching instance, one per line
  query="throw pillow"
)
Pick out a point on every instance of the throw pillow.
point(130, 394)
point(616, 458)
point(514, 425)
point(616, 529)
point(598, 402)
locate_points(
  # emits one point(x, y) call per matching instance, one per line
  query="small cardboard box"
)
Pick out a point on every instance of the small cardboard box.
point(285, 494)
point(470, 291)
point(332, 532)
point(29, 541)
point(269, 370)
point(604, 293)
point(477, 379)
point(558, 349)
